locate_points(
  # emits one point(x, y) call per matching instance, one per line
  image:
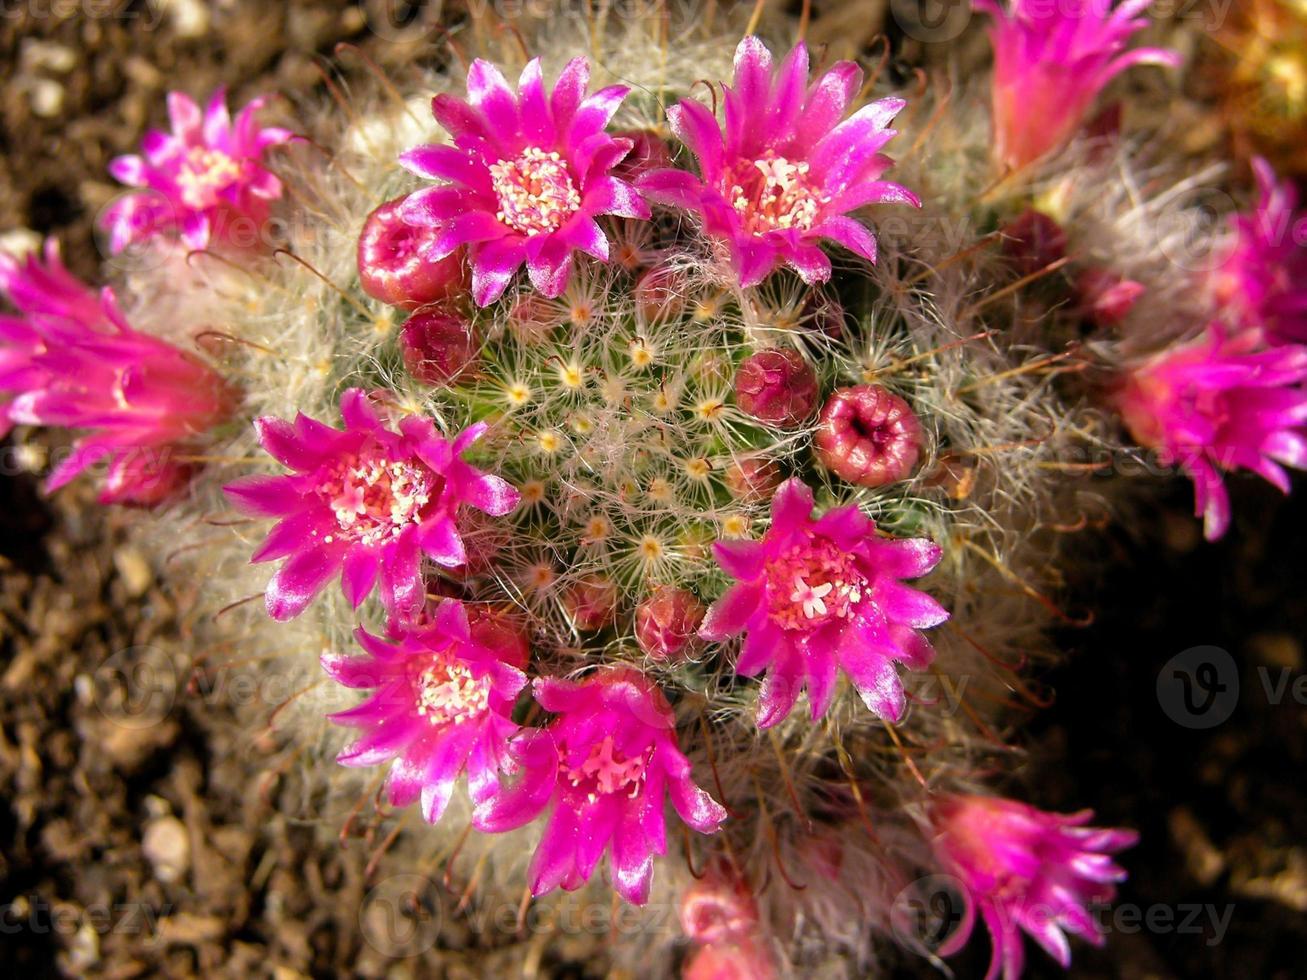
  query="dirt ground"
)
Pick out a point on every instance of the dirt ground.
point(142, 851)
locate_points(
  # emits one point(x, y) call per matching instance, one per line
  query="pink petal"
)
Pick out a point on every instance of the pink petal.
point(568, 92)
point(537, 125)
point(780, 689)
point(555, 854)
point(488, 91)
point(185, 116)
point(359, 574)
point(695, 126)
point(510, 808)
point(695, 806)
point(631, 863)
point(263, 496)
point(595, 111)
point(853, 235)
point(741, 560)
point(791, 508)
point(904, 604)
point(732, 613)
point(493, 267)
point(298, 581)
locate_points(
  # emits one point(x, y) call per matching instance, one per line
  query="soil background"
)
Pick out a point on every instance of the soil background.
point(132, 852)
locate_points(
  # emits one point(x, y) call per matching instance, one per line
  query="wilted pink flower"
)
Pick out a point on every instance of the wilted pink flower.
point(1262, 281)
point(364, 504)
point(398, 263)
point(71, 360)
point(606, 763)
point(868, 435)
point(1216, 404)
point(206, 180)
point(1025, 869)
point(526, 176)
point(786, 172)
point(1051, 60)
point(438, 347)
point(442, 703)
point(777, 387)
point(667, 621)
point(817, 595)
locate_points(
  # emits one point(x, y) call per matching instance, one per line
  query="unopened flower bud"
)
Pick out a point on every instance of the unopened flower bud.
point(666, 623)
point(868, 436)
point(777, 387)
point(397, 262)
point(1107, 298)
point(591, 603)
point(532, 317)
point(498, 628)
point(438, 347)
point(823, 314)
point(660, 294)
point(648, 152)
point(1033, 242)
point(752, 478)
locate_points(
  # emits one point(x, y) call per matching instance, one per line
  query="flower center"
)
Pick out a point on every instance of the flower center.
point(206, 173)
point(536, 193)
point(375, 497)
point(773, 194)
point(812, 583)
point(604, 772)
point(447, 692)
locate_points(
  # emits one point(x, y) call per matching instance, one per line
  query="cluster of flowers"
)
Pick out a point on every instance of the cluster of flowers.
point(522, 182)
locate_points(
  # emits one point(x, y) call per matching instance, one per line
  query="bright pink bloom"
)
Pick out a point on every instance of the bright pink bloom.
point(526, 177)
point(786, 172)
point(206, 180)
point(1216, 404)
point(1051, 60)
point(818, 595)
point(364, 504)
point(606, 763)
point(71, 360)
point(1026, 869)
point(443, 703)
point(1263, 280)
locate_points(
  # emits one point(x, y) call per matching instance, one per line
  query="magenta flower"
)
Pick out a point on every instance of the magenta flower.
point(364, 504)
point(205, 181)
point(1026, 869)
point(526, 177)
point(442, 704)
point(605, 763)
point(816, 595)
point(1261, 281)
point(72, 361)
point(1218, 404)
point(1051, 60)
point(786, 172)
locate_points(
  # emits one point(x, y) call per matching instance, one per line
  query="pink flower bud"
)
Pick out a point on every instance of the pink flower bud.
point(718, 908)
point(397, 263)
point(823, 314)
point(438, 347)
point(777, 387)
point(666, 623)
point(745, 960)
point(1034, 242)
point(660, 294)
point(752, 478)
point(532, 317)
point(868, 436)
point(1107, 297)
point(498, 628)
point(648, 152)
point(591, 603)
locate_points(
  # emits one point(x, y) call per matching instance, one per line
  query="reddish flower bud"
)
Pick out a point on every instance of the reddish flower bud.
point(660, 294)
point(1034, 242)
point(868, 436)
point(438, 347)
point(532, 317)
point(718, 907)
point(823, 314)
point(648, 152)
point(499, 629)
point(397, 264)
point(1107, 297)
point(666, 623)
point(752, 478)
point(591, 603)
point(777, 387)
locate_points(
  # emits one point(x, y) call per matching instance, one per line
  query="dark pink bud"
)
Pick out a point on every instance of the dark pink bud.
point(532, 317)
point(666, 623)
point(719, 907)
point(1034, 242)
point(868, 436)
point(776, 387)
point(397, 264)
point(498, 628)
point(823, 314)
point(438, 347)
point(752, 478)
point(1107, 297)
point(591, 603)
point(660, 294)
point(648, 152)
point(139, 480)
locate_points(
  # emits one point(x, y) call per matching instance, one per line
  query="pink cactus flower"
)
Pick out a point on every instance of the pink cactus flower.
point(206, 181)
point(526, 177)
point(71, 360)
point(442, 704)
point(817, 595)
point(786, 172)
point(606, 763)
point(1051, 60)
point(1217, 404)
point(365, 504)
point(1025, 869)
point(1261, 280)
